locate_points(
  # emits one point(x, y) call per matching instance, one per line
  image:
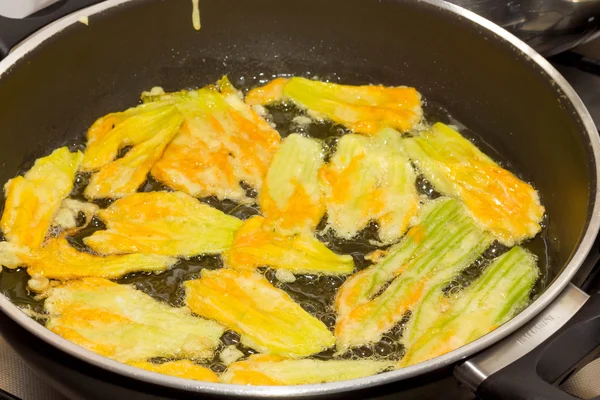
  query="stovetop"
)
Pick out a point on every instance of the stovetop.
point(20, 383)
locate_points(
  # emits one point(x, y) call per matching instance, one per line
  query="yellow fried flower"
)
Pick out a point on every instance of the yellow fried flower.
point(125, 324)
point(268, 370)
point(363, 109)
point(111, 133)
point(181, 369)
point(373, 301)
point(291, 196)
point(490, 301)
point(222, 143)
point(501, 202)
point(257, 244)
point(370, 178)
point(124, 176)
point(59, 260)
point(266, 317)
point(167, 223)
point(33, 200)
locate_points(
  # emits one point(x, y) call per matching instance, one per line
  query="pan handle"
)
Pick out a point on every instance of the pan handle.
point(545, 355)
point(13, 31)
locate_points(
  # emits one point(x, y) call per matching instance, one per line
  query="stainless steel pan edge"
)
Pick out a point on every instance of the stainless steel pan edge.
point(550, 294)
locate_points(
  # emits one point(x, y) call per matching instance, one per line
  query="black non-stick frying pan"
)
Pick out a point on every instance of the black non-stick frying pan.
point(58, 81)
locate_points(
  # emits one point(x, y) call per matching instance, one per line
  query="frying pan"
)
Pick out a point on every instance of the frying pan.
point(55, 83)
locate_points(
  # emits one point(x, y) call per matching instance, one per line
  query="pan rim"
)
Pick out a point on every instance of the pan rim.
point(585, 244)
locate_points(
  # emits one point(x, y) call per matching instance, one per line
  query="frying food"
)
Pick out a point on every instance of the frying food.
point(370, 179)
point(115, 131)
point(10, 255)
point(33, 200)
point(266, 317)
point(291, 196)
point(362, 109)
point(182, 369)
point(125, 175)
point(256, 244)
point(501, 203)
point(222, 143)
point(71, 210)
point(490, 301)
point(270, 93)
point(125, 324)
point(61, 261)
point(166, 223)
point(440, 246)
point(268, 370)
point(298, 259)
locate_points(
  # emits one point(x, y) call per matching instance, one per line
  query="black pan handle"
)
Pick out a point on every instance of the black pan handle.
point(537, 374)
point(13, 31)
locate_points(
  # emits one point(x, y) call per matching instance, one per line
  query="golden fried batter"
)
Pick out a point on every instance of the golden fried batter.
point(499, 201)
point(125, 324)
point(111, 133)
point(222, 143)
point(181, 369)
point(268, 370)
point(370, 178)
point(125, 175)
point(59, 260)
point(66, 218)
point(10, 255)
point(266, 317)
point(373, 301)
point(256, 244)
point(167, 223)
point(492, 299)
point(363, 109)
point(291, 197)
point(272, 92)
point(33, 200)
